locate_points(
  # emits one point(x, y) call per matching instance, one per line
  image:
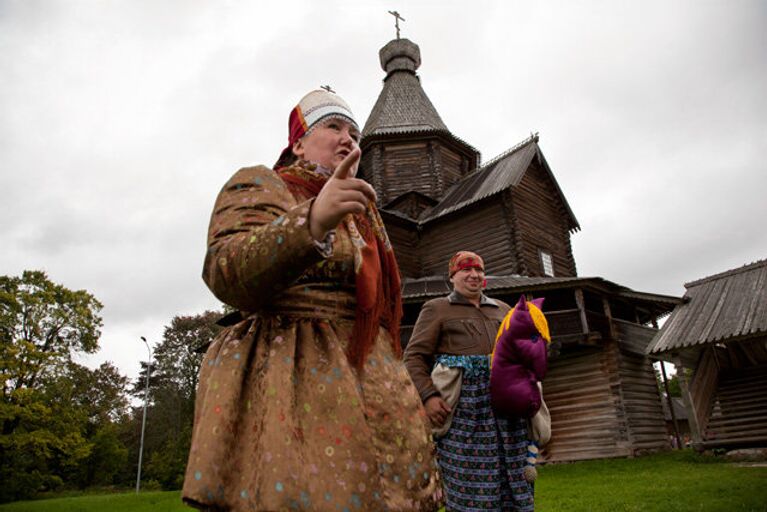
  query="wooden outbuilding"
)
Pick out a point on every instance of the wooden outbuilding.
point(717, 339)
point(436, 197)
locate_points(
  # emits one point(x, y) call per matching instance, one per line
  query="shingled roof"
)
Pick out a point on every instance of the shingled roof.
point(723, 307)
point(502, 172)
point(402, 105)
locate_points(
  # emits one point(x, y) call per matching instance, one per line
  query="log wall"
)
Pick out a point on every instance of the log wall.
point(482, 229)
point(642, 403)
point(586, 417)
point(426, 166)
point(405, 168)
point(541, 224)
point(453, 166)
point(739, 413)
point(404, 239)
point(371, 160)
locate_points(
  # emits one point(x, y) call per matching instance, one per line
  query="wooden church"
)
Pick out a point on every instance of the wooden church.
point(436, 198)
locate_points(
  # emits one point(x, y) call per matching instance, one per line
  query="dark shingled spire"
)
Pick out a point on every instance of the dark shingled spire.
point(402, 105)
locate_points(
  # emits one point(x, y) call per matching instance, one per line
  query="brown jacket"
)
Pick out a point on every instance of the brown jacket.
point(451, 325)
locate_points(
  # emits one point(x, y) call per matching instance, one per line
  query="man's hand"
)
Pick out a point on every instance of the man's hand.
point(437, 410)
point(342, 194)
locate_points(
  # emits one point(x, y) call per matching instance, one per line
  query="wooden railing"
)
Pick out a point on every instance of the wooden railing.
point(598, 322)
point(564, 322)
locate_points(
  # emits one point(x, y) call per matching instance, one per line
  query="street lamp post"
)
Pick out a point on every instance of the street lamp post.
point(143, 421)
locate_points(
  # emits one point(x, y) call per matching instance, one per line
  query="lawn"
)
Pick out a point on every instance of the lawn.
point(668, 482)
point(127, 502)
point(679, 481)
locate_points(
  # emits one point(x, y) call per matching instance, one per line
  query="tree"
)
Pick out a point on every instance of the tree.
point(174, 377)
point(43, 435)
point(673, 384)
point(99, 398)
point(178, 357)
point(41, 324)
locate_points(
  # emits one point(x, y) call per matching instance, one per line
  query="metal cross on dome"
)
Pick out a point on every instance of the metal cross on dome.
point(397, 17)
point(327, 88)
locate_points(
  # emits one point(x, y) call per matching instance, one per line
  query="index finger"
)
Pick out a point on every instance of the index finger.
point(343, 170)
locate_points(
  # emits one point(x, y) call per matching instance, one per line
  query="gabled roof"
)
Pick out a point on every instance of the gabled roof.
point(723, 307)
point(502, 172)
point(412, 193)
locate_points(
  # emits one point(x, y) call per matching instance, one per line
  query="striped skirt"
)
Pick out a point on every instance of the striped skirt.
point(482, 457)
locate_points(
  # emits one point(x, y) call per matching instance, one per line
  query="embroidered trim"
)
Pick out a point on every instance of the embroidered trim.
point(473, 366)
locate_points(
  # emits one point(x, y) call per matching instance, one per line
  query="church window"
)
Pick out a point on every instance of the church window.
point(547, 263)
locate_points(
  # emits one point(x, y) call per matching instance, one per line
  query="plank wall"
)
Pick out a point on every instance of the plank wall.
point(407, 167)
point(739, 414)
point(371, 160)
point(702, 388)
point(404, 239)
point(541, 222)
point(586, 418)
point(641, 403)
point(428, 167)
point(481, 228)
point(452, 165)
point(639, 389)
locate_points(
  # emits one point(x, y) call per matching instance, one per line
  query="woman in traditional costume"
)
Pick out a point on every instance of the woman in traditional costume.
point(304, 404)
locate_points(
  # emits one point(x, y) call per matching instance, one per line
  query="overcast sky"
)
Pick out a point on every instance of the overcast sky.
point(121, 120)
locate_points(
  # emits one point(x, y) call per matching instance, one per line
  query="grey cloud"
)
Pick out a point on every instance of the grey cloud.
point(121, 121)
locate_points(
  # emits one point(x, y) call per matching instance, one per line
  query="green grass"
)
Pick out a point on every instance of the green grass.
point(128, 502)
point(668, 482)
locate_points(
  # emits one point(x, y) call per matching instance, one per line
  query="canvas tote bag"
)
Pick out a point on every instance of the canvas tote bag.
point(539, 425)
point(448, 382)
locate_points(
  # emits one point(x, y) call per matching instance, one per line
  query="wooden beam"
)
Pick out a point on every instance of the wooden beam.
point(692, 414)
point(608, 313)
point(582, 310)
point(670, 406)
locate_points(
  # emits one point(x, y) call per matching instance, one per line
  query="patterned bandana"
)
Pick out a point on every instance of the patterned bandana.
point(314, 107)
point(376, 274)
point(465, 259)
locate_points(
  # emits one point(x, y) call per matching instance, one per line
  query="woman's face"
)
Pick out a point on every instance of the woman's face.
point(328, 143)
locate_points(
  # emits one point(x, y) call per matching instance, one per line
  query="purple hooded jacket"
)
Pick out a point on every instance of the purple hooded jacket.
point(519, 361)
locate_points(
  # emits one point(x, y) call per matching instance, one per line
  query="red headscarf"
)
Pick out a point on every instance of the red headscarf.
point(465, 259)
